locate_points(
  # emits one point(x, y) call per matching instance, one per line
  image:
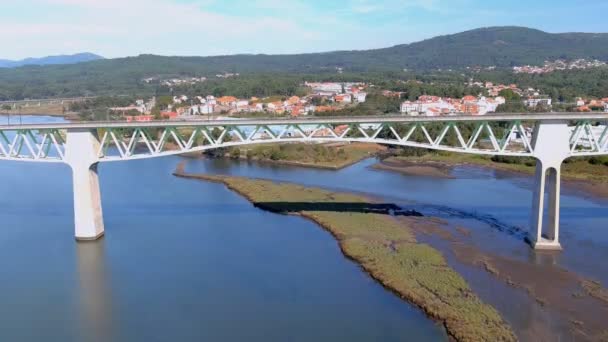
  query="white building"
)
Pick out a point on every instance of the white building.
point(242, 103)
point(360, 97)
point(580, 102)
point(533, 102)
point(410, 107)
point(206, 109)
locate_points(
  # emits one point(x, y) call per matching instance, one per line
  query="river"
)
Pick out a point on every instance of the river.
point(188, 260)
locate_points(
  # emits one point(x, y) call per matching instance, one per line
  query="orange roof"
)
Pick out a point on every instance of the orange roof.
point(469, 98)
point(324, 109)
point(293, 99)
point(227, 99)
point(583, 109)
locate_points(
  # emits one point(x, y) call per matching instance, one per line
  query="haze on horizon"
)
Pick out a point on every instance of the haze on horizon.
point(117, 28)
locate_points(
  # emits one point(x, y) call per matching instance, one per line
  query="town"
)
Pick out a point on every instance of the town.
point(327, 97)
point(551, 66)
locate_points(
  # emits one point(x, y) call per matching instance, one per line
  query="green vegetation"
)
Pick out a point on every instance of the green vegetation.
point(263, 75)
point(387, 249)
point(314, 155)
point(376, 104)
point(279, 86)
point(97, 108)
point(579, 168)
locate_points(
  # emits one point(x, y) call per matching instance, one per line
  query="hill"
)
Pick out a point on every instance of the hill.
point(494, 46)
point(51, 60)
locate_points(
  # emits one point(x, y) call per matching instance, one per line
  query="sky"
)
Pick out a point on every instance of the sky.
point(117, 28)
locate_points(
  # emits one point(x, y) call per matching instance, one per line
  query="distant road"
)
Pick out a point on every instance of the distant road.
point(53, 100)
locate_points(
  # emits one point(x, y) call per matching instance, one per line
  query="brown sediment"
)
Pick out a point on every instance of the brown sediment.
point(464, 231)
point(435, 170)
point(441, 169)
point(594, 188)
point(386, 249)
point(595, 290)
point(581, 302)
point(552, 287)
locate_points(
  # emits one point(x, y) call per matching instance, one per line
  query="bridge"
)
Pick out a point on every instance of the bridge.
point(550, 138)
point(40, 102)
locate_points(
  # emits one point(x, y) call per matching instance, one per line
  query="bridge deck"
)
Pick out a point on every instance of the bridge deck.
point(319, 120)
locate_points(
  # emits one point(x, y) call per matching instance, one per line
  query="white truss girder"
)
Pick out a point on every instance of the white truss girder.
point(511, 138)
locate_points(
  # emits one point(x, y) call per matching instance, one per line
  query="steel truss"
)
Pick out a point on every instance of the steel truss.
point(492, 137)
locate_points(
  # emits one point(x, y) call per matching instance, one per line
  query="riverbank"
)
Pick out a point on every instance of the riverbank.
point(331, 156)
point(579, 175)
point(46, 110)
point(389, 252)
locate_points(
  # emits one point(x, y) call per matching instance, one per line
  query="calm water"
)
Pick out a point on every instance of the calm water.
point(188, 260)
point(497, 208)
point(181, 260)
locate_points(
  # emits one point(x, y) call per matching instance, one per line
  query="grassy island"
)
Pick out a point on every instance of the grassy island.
point(327, 156)
point(386, 248)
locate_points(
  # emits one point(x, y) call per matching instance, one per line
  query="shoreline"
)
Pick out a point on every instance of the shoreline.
point(299, 164)
point(414, 291)
point(71, 116)
point(442, 168)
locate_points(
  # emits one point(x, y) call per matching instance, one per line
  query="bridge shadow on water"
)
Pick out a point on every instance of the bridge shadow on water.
point(340, 207)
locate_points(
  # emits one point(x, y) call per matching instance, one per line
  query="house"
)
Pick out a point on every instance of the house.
point(533, 102)
point(227, 101)
point(139, 118)
point(469, 98)
point(470, 108)
point(432, 111)
point(388, 93)
point(206, 109)
point(292, 101)
point(409, 107)
point(343, 98)
point(580, 102)
point(274, 106)
point(360, 96)
point(242, 104)
point(323, 109)
point(297, 111)
point(583, 109)
point(211, 100)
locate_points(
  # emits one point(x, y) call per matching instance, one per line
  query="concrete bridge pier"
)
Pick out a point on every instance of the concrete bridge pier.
point(551, 146)
point(82, 146)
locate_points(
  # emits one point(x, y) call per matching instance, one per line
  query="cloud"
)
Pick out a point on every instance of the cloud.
point(122, 27)
point(367, 6)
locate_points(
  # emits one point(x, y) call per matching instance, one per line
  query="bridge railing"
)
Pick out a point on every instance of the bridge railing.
point(510, 135)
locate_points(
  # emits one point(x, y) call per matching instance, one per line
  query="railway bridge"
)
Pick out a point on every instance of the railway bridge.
point(550, 138)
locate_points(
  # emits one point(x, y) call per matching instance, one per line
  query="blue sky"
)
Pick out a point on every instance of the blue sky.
point(115, 28)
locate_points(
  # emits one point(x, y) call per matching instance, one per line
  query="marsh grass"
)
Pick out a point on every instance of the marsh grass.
point(387, 249)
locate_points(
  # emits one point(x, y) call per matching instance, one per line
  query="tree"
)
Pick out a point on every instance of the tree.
point(509, 95)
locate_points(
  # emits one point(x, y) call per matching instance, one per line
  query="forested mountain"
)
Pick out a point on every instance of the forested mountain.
point(496, 46)
point(51, 60)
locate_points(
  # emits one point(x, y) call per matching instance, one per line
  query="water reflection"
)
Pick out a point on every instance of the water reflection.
point(95, 299)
